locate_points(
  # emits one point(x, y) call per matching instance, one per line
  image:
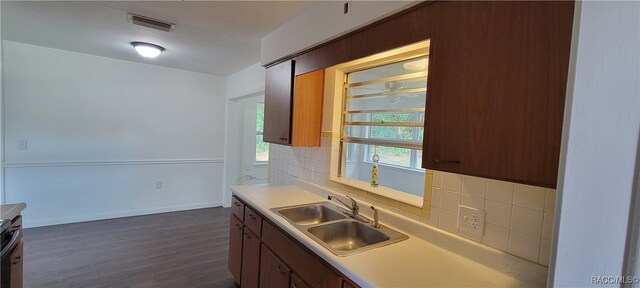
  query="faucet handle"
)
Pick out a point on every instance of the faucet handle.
point(353, 202)
point(376, 224)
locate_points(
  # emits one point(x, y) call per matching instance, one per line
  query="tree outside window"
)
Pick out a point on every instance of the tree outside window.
point(262, 148)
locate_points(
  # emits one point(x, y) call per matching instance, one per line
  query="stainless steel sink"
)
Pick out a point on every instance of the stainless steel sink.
point(347, 235)
point(333, 230)
point(310, 214)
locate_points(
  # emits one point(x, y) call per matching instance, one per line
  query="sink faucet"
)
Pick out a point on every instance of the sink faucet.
point(375, 217)
point(355, 209)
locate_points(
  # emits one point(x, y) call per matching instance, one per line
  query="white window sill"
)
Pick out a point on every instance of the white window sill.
point(381, 190)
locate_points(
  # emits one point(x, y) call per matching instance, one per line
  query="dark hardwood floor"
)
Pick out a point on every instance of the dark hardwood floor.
point(180, 249)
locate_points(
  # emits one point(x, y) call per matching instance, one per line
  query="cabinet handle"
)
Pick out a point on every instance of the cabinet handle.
point(18, 259)
point(247, 235)
point(238, 226)
point(446, 161)
point(252, 216)
point(281, 270)
point(284, 139)
point(236, 203)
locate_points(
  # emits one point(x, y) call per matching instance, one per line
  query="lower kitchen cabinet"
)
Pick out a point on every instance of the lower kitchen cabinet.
point(347, 284)
point(273, 272)
point(235, 247)
point(269, 257)
point(296, 282)
point(250, 259)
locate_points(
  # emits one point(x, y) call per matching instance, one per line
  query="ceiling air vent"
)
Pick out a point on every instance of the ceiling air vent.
point(151, 23)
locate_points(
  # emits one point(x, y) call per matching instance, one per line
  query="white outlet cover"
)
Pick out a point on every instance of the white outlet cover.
point(470, 222)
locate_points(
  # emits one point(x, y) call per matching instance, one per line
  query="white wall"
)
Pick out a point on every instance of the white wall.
point(600, 142)
point(246, 83)
point(100, 132)
point(327, 21)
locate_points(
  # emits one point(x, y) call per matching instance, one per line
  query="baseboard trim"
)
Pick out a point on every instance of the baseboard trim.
point(27, 223)
point(112, 163)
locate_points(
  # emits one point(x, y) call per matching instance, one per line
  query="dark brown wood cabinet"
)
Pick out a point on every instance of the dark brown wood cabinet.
point(347, 284)
point(305, 264)
point(273, 272)
point(250, 259)
point(265, 256)
point(237, 208)
point(296, 282)
point(278, 103)
point(293, 106)
point(496, 86)
point(235, 247)
point(496, 89)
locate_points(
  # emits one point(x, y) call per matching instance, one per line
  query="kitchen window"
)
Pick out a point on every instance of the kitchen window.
point(384, 113)
point(262, 148)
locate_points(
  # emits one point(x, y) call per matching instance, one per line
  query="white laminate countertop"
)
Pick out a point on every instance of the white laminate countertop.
point(429, 258)
point(10, 211)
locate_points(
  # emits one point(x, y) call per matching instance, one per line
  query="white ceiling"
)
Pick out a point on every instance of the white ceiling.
point(219, 38)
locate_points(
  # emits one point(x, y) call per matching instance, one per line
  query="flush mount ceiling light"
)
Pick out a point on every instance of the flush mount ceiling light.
point(417, 65)
point(147, 50)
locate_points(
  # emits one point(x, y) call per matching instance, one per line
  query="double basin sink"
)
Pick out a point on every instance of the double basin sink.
point(328, 225)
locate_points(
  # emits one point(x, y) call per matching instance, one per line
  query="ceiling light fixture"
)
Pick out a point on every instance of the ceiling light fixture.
point(147, 50)
point(417, 65)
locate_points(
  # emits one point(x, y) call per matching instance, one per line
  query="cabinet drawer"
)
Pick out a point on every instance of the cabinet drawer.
point(305, 264)
point(252, 220)
point(237, 208)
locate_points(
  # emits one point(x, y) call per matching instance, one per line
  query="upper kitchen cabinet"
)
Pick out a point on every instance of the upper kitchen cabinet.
point(277, 103)
point(307, 109)
point(293, 106)
point(496, 89)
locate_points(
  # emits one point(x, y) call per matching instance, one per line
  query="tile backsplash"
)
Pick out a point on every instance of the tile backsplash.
point(518, 218)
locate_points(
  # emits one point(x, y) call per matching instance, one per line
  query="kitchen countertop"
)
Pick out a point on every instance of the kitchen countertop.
point(429, 258)
point(10, 211)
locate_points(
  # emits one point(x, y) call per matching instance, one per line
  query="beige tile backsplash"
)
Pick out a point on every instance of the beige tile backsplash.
point(519, 218)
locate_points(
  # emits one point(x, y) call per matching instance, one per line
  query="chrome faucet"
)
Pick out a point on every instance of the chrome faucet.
point(355, 209)
point(375, 217)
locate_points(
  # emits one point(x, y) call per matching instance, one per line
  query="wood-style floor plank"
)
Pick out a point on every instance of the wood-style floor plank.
point(179, 249)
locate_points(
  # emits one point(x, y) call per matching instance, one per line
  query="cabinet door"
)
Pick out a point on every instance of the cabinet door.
point(17, 266)
point(496, 89)
point(296, 282)
point(306, 265)
point(347, 284)
point(252, 220)
point(273, 273)
point(277, 103)
point(250, 259)
point(307, 109)
point(235, 247)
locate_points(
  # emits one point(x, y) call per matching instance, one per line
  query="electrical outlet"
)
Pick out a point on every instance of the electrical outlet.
point(158, 184)
point(470, 222)
point(22, 144)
